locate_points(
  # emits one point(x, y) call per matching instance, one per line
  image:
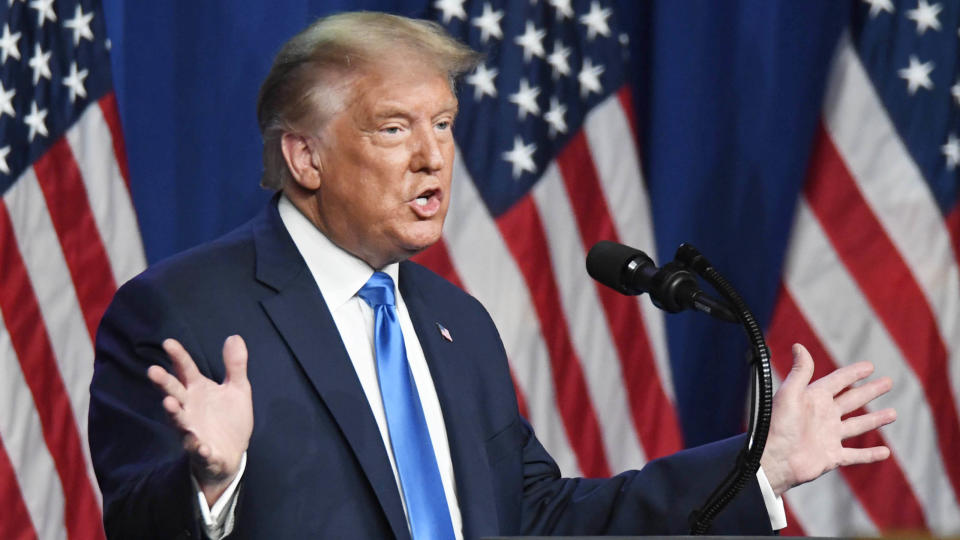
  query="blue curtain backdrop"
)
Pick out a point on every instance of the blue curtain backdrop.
point(727, 97)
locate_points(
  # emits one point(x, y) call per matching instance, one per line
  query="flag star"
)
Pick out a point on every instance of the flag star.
point(589, 78)
point(8, 44)
point(555, 118)
point(452, 9)
point(44, 11)
point(532, 42)
point(917, 75)
point(521, 157)
point(596, 20)
point(564, 11)
point(558, 59)
point(876, 6)
point(955, 91)
point(40, 63)
point(36, 121)
point(74, 81)
point(80, 24)
point(4, 152)
point(951, 151)
point(11, 2)
point(526, 100)
point(925, 16)
point(482, 81)
point(6, 101)
point(489, 23)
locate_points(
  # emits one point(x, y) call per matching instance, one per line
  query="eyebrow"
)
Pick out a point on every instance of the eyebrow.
point(392, 112)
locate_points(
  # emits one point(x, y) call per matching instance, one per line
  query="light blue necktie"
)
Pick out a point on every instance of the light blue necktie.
point(412, 449)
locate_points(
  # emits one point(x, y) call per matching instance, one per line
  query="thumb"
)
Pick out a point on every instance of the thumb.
point(235, 360)
point(802, 370)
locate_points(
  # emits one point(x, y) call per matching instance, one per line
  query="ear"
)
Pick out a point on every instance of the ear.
point(303, 164)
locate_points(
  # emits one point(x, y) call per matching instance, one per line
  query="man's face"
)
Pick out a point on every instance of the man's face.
point(386, 163)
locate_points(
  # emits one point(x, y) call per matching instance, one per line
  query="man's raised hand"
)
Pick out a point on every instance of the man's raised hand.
point(216, 419)
point(807, 427)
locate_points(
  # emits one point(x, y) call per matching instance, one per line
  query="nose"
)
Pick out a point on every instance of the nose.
point(426, 153)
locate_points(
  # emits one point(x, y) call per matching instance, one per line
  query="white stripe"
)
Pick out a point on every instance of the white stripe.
point(50, 277)
point(837, 311)
point(587, 324)
point(91, 142)
point(23, 440)
point(489, 272)
point(827, 507)
point(896, 191)
point(614, 153)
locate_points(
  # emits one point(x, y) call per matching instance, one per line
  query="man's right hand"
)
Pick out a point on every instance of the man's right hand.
point(216, 419)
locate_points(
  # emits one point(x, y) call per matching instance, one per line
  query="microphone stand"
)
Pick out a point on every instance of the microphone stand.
point(761, 395)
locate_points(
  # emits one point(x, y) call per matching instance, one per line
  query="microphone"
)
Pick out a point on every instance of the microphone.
point(672, 288)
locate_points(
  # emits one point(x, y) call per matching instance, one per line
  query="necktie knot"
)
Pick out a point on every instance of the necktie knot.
point(378, 290)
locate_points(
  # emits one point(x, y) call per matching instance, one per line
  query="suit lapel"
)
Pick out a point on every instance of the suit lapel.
point(475, 492)
point(302, 318)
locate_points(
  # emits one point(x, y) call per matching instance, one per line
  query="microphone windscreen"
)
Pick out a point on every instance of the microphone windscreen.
point(606, 261)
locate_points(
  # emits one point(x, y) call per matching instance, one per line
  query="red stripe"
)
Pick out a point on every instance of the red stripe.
point(522, 231)
point(644, 391)
point(437, 258)
point(31, 343)
point(108, 104)
point(73, 220)
point(953, 228)
point(889, 286)
point(626, 101)
point(874, 484)
point(793, 527)
point(15, 523)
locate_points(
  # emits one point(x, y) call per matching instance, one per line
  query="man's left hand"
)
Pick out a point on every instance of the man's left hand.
point(807, 428)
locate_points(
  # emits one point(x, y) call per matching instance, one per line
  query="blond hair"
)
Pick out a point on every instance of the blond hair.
point(313, 71)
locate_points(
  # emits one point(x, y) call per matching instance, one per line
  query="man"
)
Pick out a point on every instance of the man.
point(343, 407)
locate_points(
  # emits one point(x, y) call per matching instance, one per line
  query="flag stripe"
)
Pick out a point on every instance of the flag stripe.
point(584, 314)
point(32, 347)
point(70, 211)
point(487, 273)
point(111, 115)
point(33, 477)
point(888, 284)
point(646, 395)
point(903, 512)
point(15, 524)
point(52, 283)
point(530, 251)
point(837, 312)
point(617, 165)
point(108, 194)
point(793, 527)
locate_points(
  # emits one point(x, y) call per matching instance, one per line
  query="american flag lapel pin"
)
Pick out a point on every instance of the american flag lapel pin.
point(444, 332)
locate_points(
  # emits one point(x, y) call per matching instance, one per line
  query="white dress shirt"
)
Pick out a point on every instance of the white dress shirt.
point(339, 276)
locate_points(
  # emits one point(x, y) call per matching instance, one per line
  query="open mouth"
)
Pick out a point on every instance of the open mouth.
point(427, 204)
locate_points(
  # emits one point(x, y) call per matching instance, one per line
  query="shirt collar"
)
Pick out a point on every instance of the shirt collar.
point(338, 273)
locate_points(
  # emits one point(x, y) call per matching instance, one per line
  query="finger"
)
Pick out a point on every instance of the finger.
point(235, 360)
point(858, 425)
point(855, 398)
point(173, 407)
point(166, 382)
point(800, 373)
point(856, 456)
point(183, 365)
point(838, 380)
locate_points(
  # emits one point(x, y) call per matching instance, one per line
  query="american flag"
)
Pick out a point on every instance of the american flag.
point(68, 236)
point(872, 270)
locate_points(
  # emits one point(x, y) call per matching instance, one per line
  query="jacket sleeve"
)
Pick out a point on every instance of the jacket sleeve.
point(656, 500)
point(137, 454)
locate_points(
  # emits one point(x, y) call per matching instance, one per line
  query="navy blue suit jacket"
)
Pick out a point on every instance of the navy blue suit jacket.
point(317, 467)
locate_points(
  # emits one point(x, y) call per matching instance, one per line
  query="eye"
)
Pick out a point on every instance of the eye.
point(391, 130)
point(444, 125)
